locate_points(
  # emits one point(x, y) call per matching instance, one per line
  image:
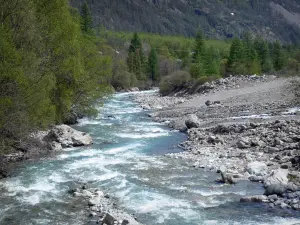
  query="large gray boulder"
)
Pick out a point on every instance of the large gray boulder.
point(192, 121)
point(257, 168)
point(279, 176)
point(68, 137)
point(276, 182)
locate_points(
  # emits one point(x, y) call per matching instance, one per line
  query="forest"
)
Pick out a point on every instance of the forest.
point(55, 64)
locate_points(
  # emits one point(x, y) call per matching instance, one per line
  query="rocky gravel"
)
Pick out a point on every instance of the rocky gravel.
point(245, 128)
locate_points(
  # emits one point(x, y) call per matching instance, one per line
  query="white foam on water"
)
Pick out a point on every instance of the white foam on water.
point(57, 178)
point(33, 199)
point(141, 136)
point(87, 121)
point(89, 152)
point(216, 192)
point(96, 162)
point(16, 186)
point(123, 148)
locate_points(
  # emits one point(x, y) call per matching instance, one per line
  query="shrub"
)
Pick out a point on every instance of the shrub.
point(174, 82)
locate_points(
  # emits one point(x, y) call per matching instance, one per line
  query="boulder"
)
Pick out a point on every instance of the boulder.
point(275, 189)
point(228, 178)
point(257, 168)
point(279, 176)
point(68, 137)
point(192, 121)
point(94, 201)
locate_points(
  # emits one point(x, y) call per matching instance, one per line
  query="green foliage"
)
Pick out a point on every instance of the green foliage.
point(86, 19)
point(153, 65)
point(48, 66)
point(174, 82)
point(135, 60)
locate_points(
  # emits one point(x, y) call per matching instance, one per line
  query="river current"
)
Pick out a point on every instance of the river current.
point(127, 161)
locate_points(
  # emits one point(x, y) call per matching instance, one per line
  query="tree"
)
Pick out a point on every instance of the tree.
point(199, 46)
point(135, 59)
point(277, 55)
point(86, 19)
point(235, 57)
point(153, 65)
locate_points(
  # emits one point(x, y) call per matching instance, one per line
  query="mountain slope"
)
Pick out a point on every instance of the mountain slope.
point(278, 19)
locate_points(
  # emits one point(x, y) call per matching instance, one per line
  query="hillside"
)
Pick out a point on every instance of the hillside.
point(278, 19)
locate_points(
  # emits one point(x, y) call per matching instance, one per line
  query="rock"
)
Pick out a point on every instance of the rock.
point(257, 168)
point(92, 214)
point(68, 136)
point(178, 125)
point(94, 201)
point(284, 166)
point(241, 144)
point(279, 176)
point(87, 193)
point(133, 89)
point(208, 103)
point(272, 198)
point(271, 149)
point(277, 189)
point(192, 121)
point(256, 198)
point(256, 178)
point(125, 222)
point(109, 220)
point(55, 146)
point(228, 178)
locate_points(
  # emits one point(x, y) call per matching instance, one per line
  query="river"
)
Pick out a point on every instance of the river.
point(127, 161)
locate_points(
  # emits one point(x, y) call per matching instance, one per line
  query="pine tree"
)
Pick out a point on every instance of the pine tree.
point(277, 55)
point(153, 65)
point(235, 57)
point(86, 19)
point(199, 46)
point(135, 59)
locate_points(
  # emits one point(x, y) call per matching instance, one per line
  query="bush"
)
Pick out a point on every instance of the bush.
point(174, 82)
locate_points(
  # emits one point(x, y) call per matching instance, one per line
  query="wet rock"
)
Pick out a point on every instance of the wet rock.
point(94, 201)
point(256, 178)
point(277, 189)
point(256, 198)
point(228, 178)
point(109, 219)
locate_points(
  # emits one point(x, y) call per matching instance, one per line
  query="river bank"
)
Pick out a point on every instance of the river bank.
point(243, 128)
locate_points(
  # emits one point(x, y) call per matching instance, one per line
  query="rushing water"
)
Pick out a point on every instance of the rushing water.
point(127, 161)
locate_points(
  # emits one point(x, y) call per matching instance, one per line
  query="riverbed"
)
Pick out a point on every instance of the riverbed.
point(127, 161)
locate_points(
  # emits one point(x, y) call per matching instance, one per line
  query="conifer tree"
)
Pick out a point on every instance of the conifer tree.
point(199, 46)
point(235, 56)
point(135, 59)
point(86, 19)
point(153, 65)
point(277, 55)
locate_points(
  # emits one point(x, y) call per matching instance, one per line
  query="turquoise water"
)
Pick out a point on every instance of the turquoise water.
point(127, 161)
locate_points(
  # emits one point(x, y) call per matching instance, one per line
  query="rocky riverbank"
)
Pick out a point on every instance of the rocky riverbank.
point(241, 127)
point(43, 143)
